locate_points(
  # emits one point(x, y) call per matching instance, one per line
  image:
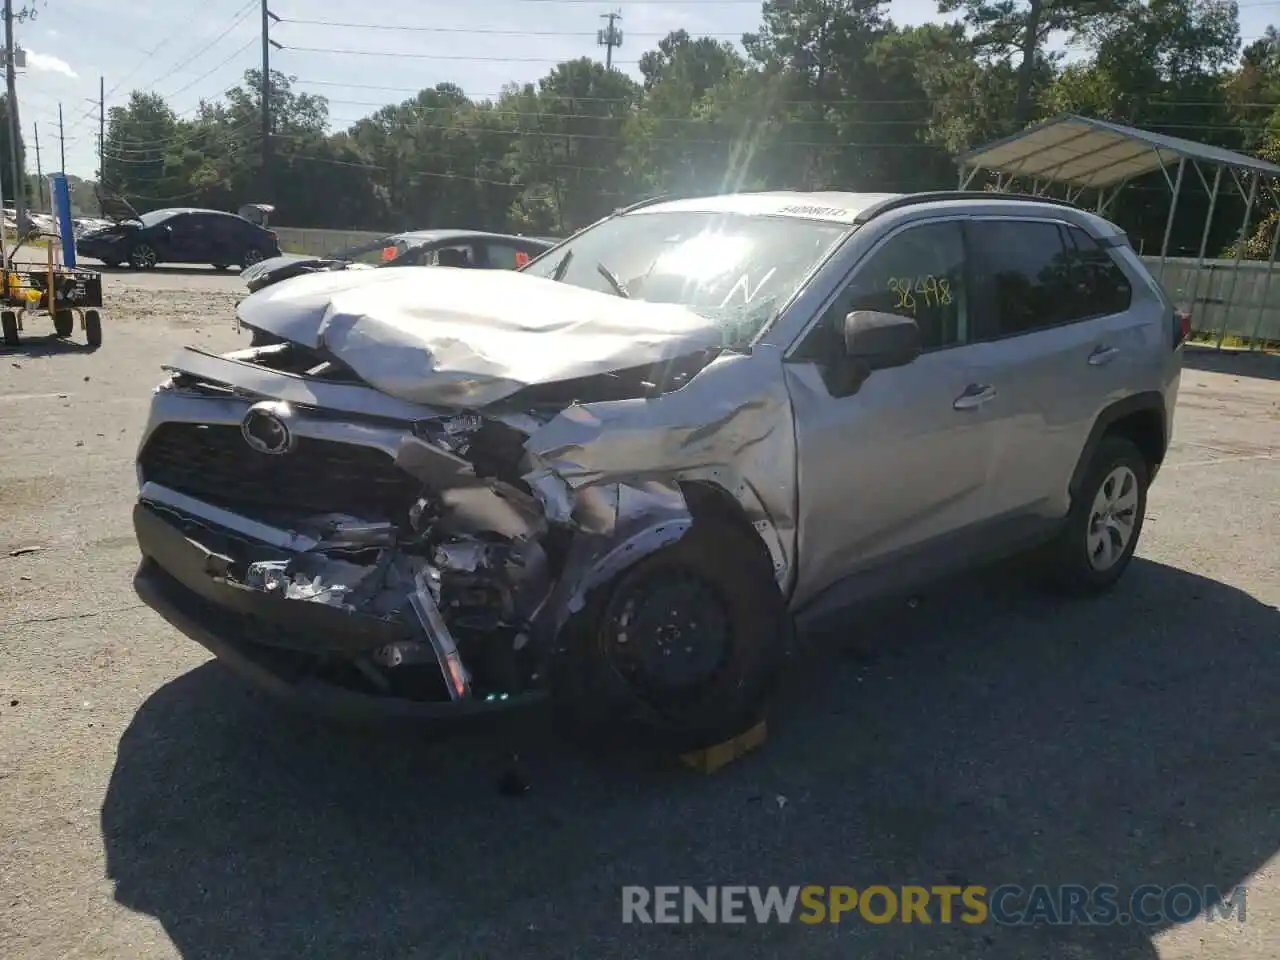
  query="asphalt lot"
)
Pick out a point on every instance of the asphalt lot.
point(152, 807)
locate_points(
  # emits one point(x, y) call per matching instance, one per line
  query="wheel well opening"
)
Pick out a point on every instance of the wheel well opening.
point(1145, 430)
point(710, 502)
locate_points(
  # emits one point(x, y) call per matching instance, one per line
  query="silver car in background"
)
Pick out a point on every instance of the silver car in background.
point(623, 473)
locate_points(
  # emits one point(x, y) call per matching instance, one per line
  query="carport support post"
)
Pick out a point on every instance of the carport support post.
point(1173, 209)
point(1235, 273)
point(1266, 287)
point(1204, 240)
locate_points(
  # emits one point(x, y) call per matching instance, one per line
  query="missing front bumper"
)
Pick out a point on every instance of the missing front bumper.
point(287, 648)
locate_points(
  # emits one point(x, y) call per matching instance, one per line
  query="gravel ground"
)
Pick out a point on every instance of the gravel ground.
point(152, 807)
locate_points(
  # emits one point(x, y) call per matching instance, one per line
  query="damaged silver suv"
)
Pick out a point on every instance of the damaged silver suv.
point(621, 474)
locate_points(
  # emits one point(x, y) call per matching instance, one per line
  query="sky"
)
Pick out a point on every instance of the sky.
point(364, 56)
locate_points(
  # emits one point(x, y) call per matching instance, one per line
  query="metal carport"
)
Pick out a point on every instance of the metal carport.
point(1083, 154)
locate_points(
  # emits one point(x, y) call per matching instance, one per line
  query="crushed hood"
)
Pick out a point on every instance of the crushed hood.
point(467, 338)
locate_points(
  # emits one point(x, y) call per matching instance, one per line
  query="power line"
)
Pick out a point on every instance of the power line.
point(141, 63)
point(490, 31)
point(433, 56)
point(217, 66)
point(205, 47)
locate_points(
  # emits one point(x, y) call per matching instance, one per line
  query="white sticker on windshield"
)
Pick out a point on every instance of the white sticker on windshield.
point(743, 284)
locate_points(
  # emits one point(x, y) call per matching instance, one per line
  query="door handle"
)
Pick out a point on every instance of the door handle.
point(974, 396)
point(1103, 355)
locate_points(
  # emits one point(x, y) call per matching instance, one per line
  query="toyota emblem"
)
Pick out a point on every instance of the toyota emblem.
point(266, 427)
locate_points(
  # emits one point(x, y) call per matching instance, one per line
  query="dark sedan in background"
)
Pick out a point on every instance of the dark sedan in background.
point(180, 235)
point(456, 248)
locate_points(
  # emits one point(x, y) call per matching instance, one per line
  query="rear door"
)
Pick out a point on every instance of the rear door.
point(228, 238)
point(1054, 337)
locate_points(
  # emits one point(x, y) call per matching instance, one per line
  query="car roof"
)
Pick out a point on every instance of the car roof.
point(853, 209)
point(174, 211)
point(829, 205)
point(433, 236)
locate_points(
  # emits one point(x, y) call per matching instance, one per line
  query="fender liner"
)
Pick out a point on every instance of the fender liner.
point(1147, 402)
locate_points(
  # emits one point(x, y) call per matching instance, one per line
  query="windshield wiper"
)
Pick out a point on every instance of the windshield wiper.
point(562, 266)
point(619, 287)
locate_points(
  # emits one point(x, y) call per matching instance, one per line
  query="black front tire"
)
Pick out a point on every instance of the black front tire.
point(601, 701)
point(1070, 566)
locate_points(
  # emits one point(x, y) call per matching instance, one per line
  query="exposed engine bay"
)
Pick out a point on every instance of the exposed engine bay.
point(433, 558)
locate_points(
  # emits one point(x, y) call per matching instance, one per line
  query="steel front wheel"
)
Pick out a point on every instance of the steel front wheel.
point(681, 650)
point(1102, 529)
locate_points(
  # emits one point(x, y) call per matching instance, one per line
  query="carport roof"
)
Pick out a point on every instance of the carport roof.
point(1095, 153)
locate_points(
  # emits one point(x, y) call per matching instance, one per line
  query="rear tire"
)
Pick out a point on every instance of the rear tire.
point(250, 257)
point(93, 328)
point(9, 327)
point(681, 650)
point(1102, 530)
point(64, 323)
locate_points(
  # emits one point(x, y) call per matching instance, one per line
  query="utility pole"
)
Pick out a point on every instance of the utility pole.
point(609, 37)
point(102, 145)
point(39, 170)
point(267, 43)
point(15, 130)
point(62, 143)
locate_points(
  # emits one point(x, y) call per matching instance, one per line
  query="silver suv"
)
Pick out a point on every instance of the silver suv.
point(621, 475)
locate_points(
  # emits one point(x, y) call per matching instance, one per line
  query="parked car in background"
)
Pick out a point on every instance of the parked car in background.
point(180, 235)
point(464, 248)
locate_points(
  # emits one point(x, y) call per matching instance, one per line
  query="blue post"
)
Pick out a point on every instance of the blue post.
point(60, 193)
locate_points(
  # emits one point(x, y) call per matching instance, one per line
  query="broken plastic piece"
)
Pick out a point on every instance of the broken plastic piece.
point(425, 608)
point(462, 556)
point(552, 493)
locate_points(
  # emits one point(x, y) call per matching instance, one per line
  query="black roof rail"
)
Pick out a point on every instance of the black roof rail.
point(646, 202)
point(932, 196)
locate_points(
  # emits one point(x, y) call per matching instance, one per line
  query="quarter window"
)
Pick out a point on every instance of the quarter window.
point(918, 273)
point(1101, 286)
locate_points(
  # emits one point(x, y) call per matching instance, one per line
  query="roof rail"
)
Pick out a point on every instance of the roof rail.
point(646, 202)
point(932, 196)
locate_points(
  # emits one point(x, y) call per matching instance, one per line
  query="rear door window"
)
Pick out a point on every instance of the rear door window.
point(1022, 275)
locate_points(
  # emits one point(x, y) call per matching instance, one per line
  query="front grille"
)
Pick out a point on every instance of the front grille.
point(213, 463)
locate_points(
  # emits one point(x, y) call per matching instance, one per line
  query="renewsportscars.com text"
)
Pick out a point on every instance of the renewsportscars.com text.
point(1006, 905)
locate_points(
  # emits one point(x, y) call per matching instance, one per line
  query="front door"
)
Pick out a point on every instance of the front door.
point(901, 463)
point(186, 239)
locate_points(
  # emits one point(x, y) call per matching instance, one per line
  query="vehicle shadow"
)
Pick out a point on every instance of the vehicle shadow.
point(178, 269)
point(985, 735)
point(1237, 363)
point(46, 345)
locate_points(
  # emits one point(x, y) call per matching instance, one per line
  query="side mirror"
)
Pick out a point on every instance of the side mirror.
point(881, 340)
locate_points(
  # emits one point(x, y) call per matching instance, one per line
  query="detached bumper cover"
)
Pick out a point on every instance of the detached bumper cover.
point(276, 644)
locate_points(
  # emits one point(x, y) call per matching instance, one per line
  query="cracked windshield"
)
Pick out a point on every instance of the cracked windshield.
point(736, 270)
